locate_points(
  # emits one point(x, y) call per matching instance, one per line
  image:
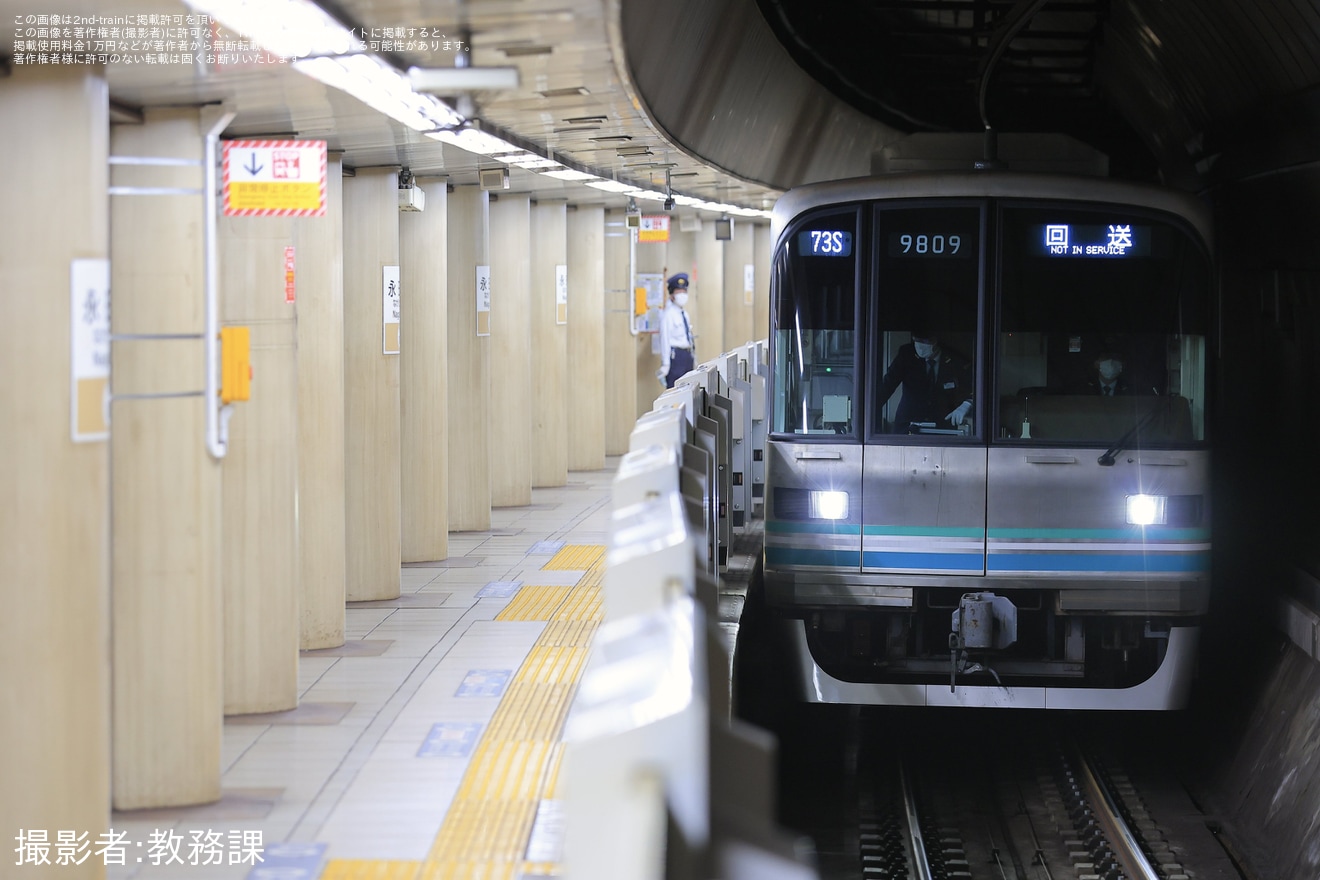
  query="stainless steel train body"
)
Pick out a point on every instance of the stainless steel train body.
point(1049, 545)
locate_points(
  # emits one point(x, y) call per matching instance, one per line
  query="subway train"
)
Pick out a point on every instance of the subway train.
point(987, 471)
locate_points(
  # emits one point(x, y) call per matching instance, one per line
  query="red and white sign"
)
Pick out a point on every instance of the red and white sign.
point(288, 274)
point(274, 178)
point(654, 228)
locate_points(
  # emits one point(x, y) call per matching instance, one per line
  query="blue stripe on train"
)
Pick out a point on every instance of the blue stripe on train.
point(1150, 562)
point(775, 556)
point(971, 562)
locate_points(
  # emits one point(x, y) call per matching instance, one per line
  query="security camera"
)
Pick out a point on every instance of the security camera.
point(669, 204)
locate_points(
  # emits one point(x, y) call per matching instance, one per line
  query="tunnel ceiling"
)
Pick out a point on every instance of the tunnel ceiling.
point(1191, 92)
point(918, 65)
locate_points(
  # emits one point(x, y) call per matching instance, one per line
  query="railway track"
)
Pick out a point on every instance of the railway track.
point(1023, 807)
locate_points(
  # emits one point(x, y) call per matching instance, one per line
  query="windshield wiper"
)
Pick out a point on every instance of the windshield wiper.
point(1107, 460)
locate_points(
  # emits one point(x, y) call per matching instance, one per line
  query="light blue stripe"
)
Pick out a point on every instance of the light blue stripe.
point(932, 561)
point(781, 556)
point(1095, 562)
point(811, 528)
point(1130, 534)
point(926, 531)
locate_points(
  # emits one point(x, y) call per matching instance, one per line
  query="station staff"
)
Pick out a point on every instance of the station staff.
point(677, 339)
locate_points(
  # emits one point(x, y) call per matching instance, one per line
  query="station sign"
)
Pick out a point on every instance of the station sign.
point(654, 228)
point(274, 178)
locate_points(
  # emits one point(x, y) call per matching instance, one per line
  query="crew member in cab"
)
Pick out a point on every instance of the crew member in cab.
point(937, 384)
point(1107, 380)
point(677, 338)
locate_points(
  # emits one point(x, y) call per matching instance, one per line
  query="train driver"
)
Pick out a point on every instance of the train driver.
point(1108, 377)
point(938, 385)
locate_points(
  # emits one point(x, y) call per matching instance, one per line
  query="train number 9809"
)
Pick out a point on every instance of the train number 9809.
point(907, 244)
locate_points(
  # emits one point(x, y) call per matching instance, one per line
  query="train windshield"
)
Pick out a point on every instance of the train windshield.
point(928, 270)
point(1102, 328)
point(816, 276)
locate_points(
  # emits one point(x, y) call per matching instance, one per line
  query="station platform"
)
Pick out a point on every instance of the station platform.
point(428, 745)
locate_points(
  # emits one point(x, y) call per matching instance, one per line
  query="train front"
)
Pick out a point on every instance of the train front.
point(987, 482)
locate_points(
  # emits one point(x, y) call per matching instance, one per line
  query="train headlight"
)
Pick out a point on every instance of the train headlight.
point(1147, 510)
point(829, 505)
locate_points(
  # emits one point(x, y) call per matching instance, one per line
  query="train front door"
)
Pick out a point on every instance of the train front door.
point(923, 510)
point(924, 459)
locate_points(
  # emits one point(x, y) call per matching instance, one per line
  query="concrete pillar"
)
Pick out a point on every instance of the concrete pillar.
point(55, 522)
point(738, 300)
point(708, 293)
point(319, 293)
point(761, 257)
point(511, 352)
point(168, 612)
point(423, 378)
point(620, 345)
point(586, 337)
point(652, 257)
point(259, 476)
point(468, 235)
point(551, 401)
point(371, 387)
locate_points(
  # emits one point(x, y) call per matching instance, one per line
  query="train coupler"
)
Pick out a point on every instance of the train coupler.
point(984, 622)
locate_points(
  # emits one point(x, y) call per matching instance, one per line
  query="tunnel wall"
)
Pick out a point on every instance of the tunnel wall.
point(1257, 721)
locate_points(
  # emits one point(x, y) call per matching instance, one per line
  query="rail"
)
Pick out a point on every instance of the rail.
point(1105, 808)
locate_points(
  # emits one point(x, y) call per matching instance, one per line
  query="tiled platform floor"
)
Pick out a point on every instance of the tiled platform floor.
point(359, 779)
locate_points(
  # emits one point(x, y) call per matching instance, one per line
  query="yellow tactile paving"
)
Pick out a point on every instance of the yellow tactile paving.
point(370, 869)
point(573, 557)
point(535, 603)
point(583, 604)
point(516, 763)
point(552, 778)
point(491, 817)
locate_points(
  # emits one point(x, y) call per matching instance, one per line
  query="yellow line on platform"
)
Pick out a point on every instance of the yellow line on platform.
point(573, 557)
point(370, 869)
point(516, 763)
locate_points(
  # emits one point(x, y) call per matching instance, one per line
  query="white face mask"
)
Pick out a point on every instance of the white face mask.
point(924, 349)
point(680, 299)
point(1109, 370)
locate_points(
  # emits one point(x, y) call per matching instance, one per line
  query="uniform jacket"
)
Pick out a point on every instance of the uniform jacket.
point(924, 400)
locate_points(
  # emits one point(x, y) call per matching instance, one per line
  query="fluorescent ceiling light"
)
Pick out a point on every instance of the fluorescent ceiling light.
point(537, 163)
point(454, 80)
point(650, 194)
point(292, 28)
point(614, 186)
point(381, 87)
point(474, 141)
point(570, 174)
point(525, 159)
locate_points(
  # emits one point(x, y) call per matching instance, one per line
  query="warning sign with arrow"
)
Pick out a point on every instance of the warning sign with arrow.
point(274, 178)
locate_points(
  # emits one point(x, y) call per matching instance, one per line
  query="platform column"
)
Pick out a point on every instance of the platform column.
point(708, 293)
point(468, 235)
point(761, 245)
point(371, 387)
point(652, 258)
point(423, 378)
point(511, 352)
point(620, 345)
point(54, 523)
point(319, 300)
point(586, 337)
point(259, 476)
point(168, 611)
point(738, 305)
point(549, 355)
